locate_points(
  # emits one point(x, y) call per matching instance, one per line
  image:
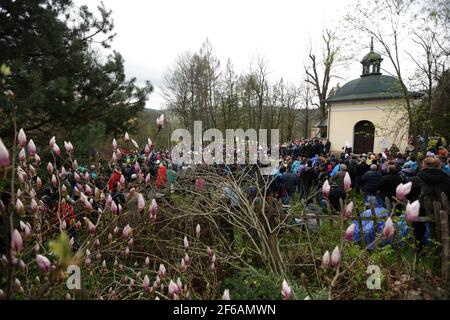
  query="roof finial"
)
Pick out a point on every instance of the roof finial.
point(371, 44)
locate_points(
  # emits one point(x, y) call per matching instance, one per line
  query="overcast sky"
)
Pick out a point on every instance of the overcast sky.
point(151, 34)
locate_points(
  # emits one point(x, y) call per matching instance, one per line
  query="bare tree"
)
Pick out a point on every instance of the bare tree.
point(319, 71)
point(306, 107)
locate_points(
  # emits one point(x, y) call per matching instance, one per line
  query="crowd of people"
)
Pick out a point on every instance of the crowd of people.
point(303, 168)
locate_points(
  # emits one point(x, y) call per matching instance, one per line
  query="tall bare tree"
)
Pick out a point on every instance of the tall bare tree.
point(319, 70)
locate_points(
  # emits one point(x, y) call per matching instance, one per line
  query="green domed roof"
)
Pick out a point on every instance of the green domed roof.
point(371, 57)
point(373, 86)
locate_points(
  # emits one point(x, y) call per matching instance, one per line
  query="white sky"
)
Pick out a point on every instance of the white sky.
point(151, 34)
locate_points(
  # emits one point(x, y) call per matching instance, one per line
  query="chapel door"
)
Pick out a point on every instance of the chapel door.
point(364, 136)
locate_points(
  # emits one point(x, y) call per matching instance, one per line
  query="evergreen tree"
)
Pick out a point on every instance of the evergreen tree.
point(59, 80)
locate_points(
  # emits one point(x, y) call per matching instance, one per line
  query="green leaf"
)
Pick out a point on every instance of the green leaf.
point(5, 70)
point(62, 249)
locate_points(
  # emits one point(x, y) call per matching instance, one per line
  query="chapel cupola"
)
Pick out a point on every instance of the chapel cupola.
point(371, 62)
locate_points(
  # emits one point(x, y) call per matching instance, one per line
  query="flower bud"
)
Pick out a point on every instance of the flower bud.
point(22, 138)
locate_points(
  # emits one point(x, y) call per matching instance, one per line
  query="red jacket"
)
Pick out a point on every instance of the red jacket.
point(115, 177)
point(161, 177)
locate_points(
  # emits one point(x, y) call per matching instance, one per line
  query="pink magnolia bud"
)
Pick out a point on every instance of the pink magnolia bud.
point(348, 210)
point(71, 242)
point(213, 267)
point(43, 263)
point(4, 155)
point(22, 155)
point(141, 202)
point(54, 181)
point(326, 259)
point(34, 206)
point(97, 243)
point(22, 138)
point(137, 167)
point(108, 200)
point(64, 189)
point(114, 144)
point(27, 231)
point(335, 257)
point(127, 251)
point(347, 182)
point(31, 148)
point(52, 141)
point(388, 230)
point(75, 165)
point(183, 265)
point(126, 232)
point(88, 206)
point(113, 207)
point(179, 285)
point(147, 149)
point(110, 237)
point(349, 232)
point(162, 271)
point(226, 295)
point(403, 190)
point(187, 259)
point(135, 144)
point(55, 149)
point(326, 189)
point(146, 283)
point(149, 142)
point(197, 231)
point(90, 226)
point(50, 168)
point(18, 286)
point(62, 173)
point(157, 282)
point(186, 243)
point(21, 174)
point(67, 147)
point(172, 289)
point(119, 208)
point(37, 158)
point(16, 242)
point(127, 137)
point(20, 209)
point(160, 122)
point(147, 261)
point(122, 179)
point(412, 211)
point(286, 291)
point(88, 190)
point(213, 258)
point(147, 179)
point(153, 210)
point(209, 251)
